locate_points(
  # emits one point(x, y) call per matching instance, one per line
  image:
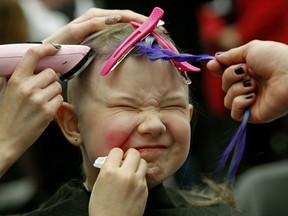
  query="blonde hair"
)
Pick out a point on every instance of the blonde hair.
point(103, 43)
point(210, 194)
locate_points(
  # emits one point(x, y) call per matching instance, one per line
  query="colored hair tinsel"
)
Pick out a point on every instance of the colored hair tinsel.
point(154, 52)
point(237, 145)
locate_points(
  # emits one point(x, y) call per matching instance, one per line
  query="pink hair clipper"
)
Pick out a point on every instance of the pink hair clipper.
point(69, 61)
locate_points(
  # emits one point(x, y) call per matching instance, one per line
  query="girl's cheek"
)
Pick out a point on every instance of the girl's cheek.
point(118, 129)
point(116, 138)
point(110, 139)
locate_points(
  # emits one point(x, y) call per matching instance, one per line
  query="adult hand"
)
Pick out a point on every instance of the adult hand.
point(120, 188)
point(28, 103)
point(93, 20)
point(254, 75)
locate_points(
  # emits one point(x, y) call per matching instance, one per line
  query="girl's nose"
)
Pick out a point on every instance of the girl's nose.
point(151, 124)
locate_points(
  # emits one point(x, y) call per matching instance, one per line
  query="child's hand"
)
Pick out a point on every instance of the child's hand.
point(120, 188)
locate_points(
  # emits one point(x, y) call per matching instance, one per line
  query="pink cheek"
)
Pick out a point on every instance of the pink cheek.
point(116, 139)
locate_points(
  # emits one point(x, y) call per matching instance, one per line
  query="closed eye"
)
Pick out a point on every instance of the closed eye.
point(126, 107)
point(174, 107)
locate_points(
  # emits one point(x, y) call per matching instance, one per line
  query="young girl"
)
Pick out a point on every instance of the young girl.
point(138, 115)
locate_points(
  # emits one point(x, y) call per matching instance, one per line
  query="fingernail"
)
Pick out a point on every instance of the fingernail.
point(112, 19)
point(247, 83)
point(56, 45)
point(249, 96)
point(219, 53)
point(239, 70)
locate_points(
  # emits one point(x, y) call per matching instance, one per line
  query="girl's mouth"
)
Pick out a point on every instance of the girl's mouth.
point(150, 150)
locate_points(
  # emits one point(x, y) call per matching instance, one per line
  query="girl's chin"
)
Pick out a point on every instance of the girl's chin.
point(155, 176)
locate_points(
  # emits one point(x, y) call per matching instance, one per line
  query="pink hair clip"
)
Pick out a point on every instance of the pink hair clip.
point(137, 35)
point(181, 66)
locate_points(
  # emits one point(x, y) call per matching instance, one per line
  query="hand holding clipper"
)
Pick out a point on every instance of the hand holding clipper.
point(69, 61)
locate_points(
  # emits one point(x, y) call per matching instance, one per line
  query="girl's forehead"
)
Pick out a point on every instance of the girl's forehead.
point(140, 74)
point(135, 68)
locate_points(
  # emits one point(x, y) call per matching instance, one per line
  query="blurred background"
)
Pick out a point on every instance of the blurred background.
point(196, 27)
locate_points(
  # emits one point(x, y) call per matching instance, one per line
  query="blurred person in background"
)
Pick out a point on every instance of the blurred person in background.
point(42, 21)
point(53, 13)
point(13, 22)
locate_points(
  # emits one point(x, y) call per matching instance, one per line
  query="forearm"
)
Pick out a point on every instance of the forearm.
point(9, 154)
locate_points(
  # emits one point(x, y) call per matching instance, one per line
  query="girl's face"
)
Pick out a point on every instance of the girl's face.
point(142, 105)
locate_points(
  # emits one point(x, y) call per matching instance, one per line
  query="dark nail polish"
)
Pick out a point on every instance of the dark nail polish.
point(56, 45)
point(34, 42)
point(249, 96)
point(219, 53)
point(239, 70)
point(112, 19)
point(247, 83)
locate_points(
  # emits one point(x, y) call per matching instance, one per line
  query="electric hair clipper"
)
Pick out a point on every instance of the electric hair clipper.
point(69, 61)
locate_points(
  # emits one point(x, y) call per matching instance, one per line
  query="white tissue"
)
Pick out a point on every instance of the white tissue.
point(99, 162)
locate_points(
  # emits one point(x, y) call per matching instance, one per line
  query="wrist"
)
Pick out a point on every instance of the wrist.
point(8, 155)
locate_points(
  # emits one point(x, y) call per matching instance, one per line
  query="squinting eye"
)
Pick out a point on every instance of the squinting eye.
point(128, 108)
point(174, 107)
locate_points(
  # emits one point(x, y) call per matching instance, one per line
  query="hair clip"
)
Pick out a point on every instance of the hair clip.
point(141, 32)
point(181, 66)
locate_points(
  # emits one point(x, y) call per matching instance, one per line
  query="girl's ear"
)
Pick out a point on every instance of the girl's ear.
point(191, 111)
point(68, 123)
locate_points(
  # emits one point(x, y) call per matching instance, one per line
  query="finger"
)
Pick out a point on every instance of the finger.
point(3, 82)
point(112, 19)
point(87, 26)
point(93, 13)
point(78, 31)
point(240, 104)
point(233, 56)
point(131, 160)
point(54, 104)
point(28, 63)
point(142, 168)
point(233, 74)
point(50, 108)
point(114, 158)
point(48, 97)
point(93, 20)
point(215, 67)
point(44, 78)
point(51, 91)
point(240, 88)
point(126, 15)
